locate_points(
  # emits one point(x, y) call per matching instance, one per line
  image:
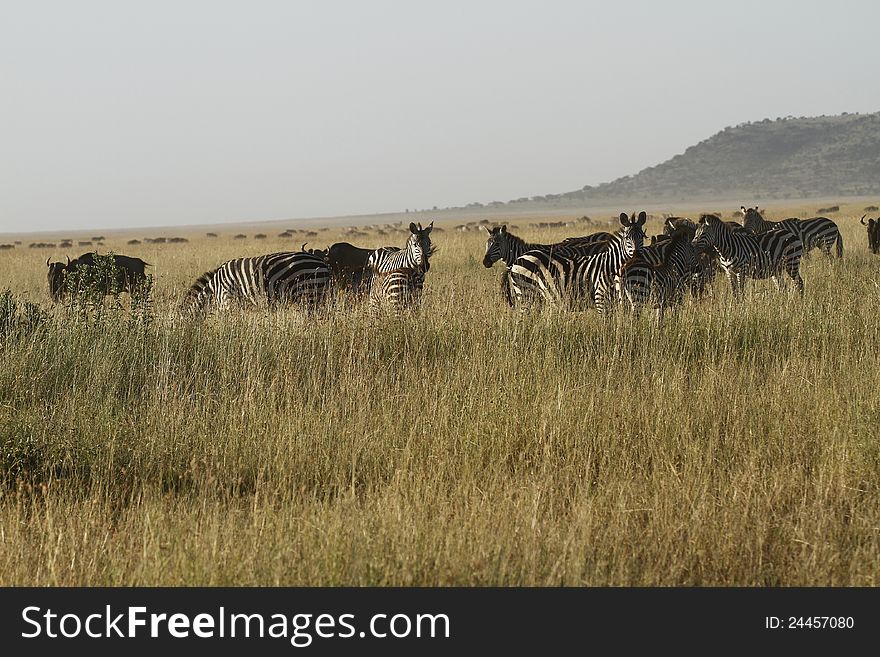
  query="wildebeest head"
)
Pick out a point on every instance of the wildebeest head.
point(873, 233)
point(420, 244)
point(57, 271)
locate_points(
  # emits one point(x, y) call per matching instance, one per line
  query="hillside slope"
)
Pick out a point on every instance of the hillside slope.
point(782, 158)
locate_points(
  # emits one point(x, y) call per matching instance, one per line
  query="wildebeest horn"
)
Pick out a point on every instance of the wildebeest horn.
point(304, 246)
point(47, 259)
point(68, 261)
point(862, 220)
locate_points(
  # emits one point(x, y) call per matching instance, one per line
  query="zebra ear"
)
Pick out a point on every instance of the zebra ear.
point(428, 227)
point(503, 228)
point(742, 209)
point(624, 220)
point(643, 217)
point(412, 227)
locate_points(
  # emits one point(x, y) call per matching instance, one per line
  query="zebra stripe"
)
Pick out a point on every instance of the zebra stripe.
point(399, 288)
point(415, 255)
point(274, 278)
point(744, 255)
point(507, 247)
point(542, 277)
point(819, 232)
point(659, 274)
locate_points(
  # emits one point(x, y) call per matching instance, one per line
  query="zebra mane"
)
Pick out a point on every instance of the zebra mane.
point(195, 298)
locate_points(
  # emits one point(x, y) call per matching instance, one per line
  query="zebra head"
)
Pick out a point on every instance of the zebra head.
point(708, 231)
point(419, 245)
point(632, 233)
point(494, 245)
point(752, 219)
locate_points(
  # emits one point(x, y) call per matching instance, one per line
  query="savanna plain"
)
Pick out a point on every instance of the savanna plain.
point(464, 443)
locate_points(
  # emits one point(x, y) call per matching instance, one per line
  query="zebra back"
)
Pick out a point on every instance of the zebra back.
point(507, 247)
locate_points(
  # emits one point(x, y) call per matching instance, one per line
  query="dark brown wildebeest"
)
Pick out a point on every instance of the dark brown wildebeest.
point(130, 273)
point(348, 264)
point(873, 233)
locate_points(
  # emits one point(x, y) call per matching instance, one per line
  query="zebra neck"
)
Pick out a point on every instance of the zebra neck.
point(514, 247)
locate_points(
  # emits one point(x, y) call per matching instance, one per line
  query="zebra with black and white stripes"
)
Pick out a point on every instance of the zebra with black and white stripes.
point(415, 255)
point(507, 247)
point(287, 277)
point(398, 289)
point(818, 232)
point(744, 255)
point(659, 274)
point(538, 277)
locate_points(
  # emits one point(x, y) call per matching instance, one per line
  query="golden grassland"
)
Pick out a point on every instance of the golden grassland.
point(463, 444)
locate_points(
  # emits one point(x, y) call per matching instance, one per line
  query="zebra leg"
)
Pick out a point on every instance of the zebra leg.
point(792, 267)
point(735, 284)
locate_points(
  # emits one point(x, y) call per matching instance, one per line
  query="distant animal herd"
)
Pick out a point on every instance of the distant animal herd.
point(599, 270)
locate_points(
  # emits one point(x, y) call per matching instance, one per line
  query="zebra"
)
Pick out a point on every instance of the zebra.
point(292, 277)
point(660, 273)
point(540, 276)
point(416, 254)
point(707, 261)
point(819, 232)
point(873, 226)
point(398, 288)
point(507, 247)
point(744, 255)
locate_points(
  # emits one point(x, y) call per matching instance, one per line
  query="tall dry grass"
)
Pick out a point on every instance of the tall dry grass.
point(735, 444)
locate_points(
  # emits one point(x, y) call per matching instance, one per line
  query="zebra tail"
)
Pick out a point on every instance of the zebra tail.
point(505, 286)
point(839, 244)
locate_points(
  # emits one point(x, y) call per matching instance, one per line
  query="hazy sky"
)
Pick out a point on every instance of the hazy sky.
point(120, 114)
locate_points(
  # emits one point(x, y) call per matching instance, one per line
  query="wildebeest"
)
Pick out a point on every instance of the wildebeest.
point(129, 274)
point(348, 264)
point(873, 233)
